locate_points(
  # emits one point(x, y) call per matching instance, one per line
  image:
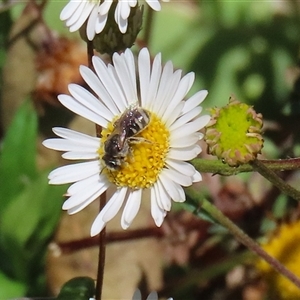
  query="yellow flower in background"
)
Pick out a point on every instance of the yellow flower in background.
point(285, 247)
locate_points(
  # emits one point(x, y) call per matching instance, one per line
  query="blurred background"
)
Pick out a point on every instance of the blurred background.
point(246, 48)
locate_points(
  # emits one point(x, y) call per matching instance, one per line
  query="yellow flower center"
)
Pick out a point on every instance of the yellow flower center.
point(145, 158)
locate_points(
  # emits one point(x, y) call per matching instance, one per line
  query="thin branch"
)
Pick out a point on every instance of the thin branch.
point(243, 237)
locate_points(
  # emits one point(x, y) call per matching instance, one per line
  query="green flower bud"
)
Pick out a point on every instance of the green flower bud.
point(234, 133)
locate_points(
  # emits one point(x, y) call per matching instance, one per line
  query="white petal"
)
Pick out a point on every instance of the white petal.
point(191, 127)
point(109, 81)
point(181, 91)
point(181, 166)
point(157, 213)
point(97, 226)
point(130, 62)
point(131, 208)
point(69, 10)
point(75, 172)
point(152, 296)
point(167, 88)
point(87, 201)
point(100, 23)
point(185, 154)
point(154, 4)
point(105, 6)
point(110, 209)
point(114, 204)
point(80, 185)
point(96, 85)
point(80, 155)
point(152, 89)
point(171, 118)
point(163, 86)
point(175, 190)
point(197, 177)
point(178, 177)
point(74, 17)
point(123, 23)
point(185, 141)
point(124, 66)
point(137, 295)
point(87, 194)
point(165, 198)
point(90, 101)
point(194, 101)
point(91, 23)
point(186, 118)
point(75, 106)
point(124, 9)
point(76, 136)
point(144, 74)
point(67, 145)
point(79, 17)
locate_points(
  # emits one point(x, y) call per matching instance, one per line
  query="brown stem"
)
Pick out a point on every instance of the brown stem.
point(270, 175)
point(101, 257)
point(102, 241)
point(244, 238)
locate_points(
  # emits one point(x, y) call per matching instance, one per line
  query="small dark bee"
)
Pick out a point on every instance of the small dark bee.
point(117, 146)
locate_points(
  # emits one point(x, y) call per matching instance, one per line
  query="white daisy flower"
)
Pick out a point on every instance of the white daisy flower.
point(95, 12)
point(149, 132)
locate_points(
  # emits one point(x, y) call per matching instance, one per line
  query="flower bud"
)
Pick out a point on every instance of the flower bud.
point(111, 39)
point(234, 133)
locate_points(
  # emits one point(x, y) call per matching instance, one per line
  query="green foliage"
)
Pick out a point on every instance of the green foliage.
point(78, 288)
point(30, 208)
point(17, 161)
point(10, 287)
point(243, 48)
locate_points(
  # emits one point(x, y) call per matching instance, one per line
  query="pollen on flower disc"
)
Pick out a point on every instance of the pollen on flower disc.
point(145, 159)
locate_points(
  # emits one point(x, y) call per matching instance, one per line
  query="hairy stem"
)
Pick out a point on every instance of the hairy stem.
point(270, 175)
point(218, 167)
point(242, 237)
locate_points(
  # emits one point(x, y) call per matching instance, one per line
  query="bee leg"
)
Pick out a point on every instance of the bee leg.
point(138, 140)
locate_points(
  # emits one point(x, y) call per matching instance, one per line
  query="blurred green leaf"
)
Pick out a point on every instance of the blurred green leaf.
point(79, 288)
point(18, 155)
point(27, 225)
point(11, 288)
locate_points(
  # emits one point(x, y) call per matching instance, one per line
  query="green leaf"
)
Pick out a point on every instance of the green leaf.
point(78, 288)
point(17, 160)
point(11, 288)
point(27, 224)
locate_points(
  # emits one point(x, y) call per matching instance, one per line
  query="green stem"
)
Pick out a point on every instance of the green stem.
point(246, 240)
point(218, 167)
point(148, 27)
point(269, 174)
point(265, 167)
